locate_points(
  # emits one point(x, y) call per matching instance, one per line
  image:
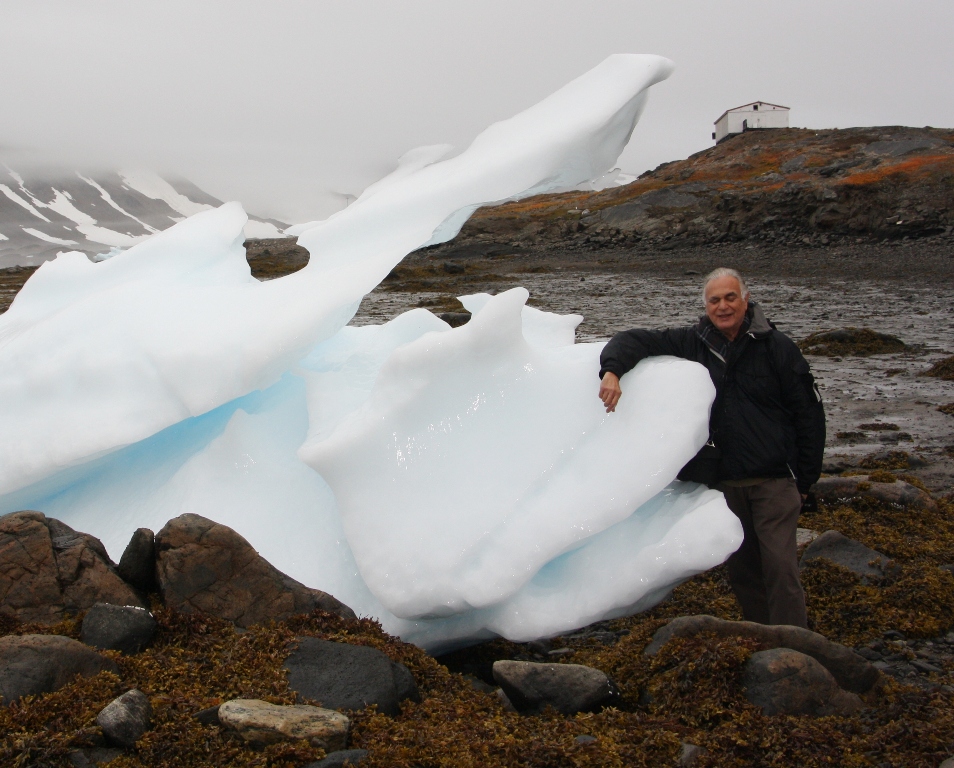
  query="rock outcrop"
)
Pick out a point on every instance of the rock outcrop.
point(781, 186)
point(851, 671)
point(343, 676)
point(207, 567)
point(33, 664)
point(261, 723)
point(51, 571)
point(568, 688)
point(785, 682)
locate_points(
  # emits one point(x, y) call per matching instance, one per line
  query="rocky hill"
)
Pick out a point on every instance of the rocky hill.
point(782, 186)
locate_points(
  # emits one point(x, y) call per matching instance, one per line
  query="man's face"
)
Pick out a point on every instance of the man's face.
point(725, 305)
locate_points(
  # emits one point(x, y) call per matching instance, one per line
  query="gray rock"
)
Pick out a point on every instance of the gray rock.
point(340, 759)
point(343, 676)
point(949, 763)
point(260, 723)
point(90, 758)
point(690, 754)
point(137, 566)
point(124, 628)
point(848, 553)
point(51, 572)
point(568, 688)
point(834, 490)
point(125, 719)
point(584, 738)
point(34, 664)
point(851, 671)
point(208, 568)
point(783, 681)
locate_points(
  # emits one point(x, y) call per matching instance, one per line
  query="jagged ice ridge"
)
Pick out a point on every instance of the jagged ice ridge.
point(454, 483)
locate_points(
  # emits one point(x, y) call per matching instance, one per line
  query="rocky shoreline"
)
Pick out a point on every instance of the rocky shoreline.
point(194, 650)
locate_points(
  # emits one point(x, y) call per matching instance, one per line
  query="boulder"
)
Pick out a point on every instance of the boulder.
point(137, 566)
point(208, 568)
point(851, 671)
point(260, 723)
point(125, 719)
point(834, 490)
point(340, 759)
point(50, 571)
point(848, 553)
point(568, 688)
point(343, 676)
point(33, 664)
point(783, 681)
point(124, 628)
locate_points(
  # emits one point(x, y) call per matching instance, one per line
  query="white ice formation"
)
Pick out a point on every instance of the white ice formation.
point(454, 483)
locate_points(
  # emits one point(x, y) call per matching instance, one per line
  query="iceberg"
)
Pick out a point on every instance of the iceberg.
point(456, 484)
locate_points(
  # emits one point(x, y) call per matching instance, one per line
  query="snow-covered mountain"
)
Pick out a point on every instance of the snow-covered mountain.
point(45, 212)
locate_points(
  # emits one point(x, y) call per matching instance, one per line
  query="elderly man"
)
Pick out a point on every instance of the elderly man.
point(766, 434)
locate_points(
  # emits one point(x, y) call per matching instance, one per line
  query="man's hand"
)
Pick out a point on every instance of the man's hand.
point(610, 391)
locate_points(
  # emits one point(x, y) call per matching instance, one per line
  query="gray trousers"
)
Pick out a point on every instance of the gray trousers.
point(763, 572)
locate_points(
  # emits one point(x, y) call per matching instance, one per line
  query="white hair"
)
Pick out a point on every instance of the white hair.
point(715, 274)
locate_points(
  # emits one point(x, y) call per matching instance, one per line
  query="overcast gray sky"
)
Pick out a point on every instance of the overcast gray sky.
point(282, 103)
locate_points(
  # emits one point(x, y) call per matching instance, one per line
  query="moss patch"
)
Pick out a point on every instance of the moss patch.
point(942, 369)
point(845, 342)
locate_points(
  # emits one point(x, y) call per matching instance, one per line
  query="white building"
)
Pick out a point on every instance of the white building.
point(748, 117)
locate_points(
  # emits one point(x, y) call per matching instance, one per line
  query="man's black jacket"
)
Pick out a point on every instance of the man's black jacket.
point(767, 418)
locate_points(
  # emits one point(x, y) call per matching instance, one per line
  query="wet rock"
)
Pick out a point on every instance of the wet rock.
point(51, 571)
point(33, 664)
point(260, 723)
point(848, 553)
point(835, 490)
point(568, 688)
point(455, 319)
point(137, 566)
point(343, 676)
point(341, 758)
point(206, 567)
point(89, 758)
point(783, 681)
point(123, 628)
point(125, 719)
point(851, 671)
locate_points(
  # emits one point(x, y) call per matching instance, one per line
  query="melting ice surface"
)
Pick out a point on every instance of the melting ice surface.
point(454, 483)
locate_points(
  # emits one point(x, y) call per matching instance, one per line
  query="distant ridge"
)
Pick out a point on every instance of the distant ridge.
point(43, 212)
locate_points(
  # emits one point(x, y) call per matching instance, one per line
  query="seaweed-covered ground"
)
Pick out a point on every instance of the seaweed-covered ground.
point(688, 693)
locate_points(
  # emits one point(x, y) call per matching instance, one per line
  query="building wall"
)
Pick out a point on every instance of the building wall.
point(766, 116)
